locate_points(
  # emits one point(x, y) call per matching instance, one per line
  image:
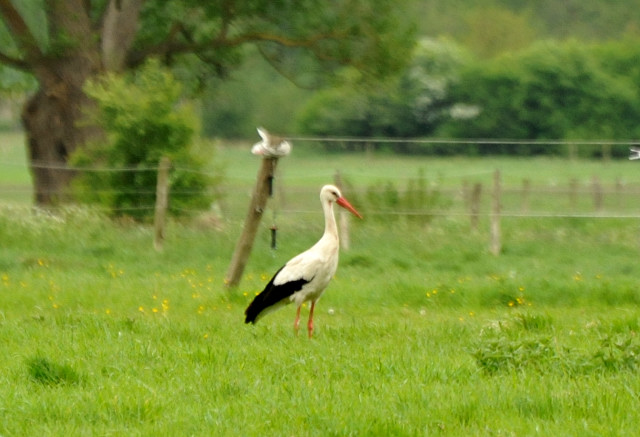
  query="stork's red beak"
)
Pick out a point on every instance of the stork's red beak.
point(346, 205)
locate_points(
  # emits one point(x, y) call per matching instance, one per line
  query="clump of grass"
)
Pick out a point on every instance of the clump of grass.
point(503, 354)
point(617, 352)
point(533, 322)
point(47, 372)
point(517, 345)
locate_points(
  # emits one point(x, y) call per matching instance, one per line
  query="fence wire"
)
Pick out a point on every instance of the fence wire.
point(621, 201)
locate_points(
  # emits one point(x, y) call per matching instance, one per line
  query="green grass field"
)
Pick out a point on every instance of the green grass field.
point(422, 332)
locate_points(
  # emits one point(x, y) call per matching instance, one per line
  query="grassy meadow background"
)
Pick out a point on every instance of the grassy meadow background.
point(422, 331)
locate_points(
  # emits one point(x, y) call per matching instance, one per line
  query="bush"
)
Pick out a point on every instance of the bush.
point(549, 91)
point(144, 120)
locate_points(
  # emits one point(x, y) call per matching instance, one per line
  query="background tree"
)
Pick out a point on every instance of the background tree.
point(413, 104)
point(550, 91)
point(586, 20)
point(254, 95)
point(493, 30)
point(63, 43)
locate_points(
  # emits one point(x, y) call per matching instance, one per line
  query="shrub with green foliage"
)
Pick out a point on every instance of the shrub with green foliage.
point(549, 91)
point(144, 120)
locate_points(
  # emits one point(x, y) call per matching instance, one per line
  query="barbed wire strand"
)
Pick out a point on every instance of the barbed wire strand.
point(594, 215)
point(468, 141)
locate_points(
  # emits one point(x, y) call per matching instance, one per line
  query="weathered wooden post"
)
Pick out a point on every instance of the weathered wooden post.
point(606, 153)
point(162, 202)
point(573, 151)
point(573, 194)
point(598, 194)
point(619, 188)
point(475, 205)
point(271, 148)
point(369, 149)
point(526, 195)
point(496, 245)
point(251, 222)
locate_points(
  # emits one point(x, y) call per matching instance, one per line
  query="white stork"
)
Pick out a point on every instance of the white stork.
point(305, 277)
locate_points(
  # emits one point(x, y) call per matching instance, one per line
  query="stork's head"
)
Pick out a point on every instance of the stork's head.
point(331, 194)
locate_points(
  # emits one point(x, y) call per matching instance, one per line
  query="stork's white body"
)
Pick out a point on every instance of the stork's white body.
point(306, 276)
point(317, 265)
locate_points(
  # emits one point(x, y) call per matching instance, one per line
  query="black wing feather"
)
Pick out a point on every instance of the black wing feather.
point(272, 295)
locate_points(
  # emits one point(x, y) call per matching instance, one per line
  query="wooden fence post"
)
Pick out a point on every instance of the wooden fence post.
point(496, 244)
point(526, 195)
point(466, 193)
point(162, 202)
point(369, 149)
point(619, 193)
point(343, 218)
point(598, 195)
point(261, 193)
point(573, 194)
point(606, 153)
point(475, 205)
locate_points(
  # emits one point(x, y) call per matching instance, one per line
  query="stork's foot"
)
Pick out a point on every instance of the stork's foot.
point(310, 328)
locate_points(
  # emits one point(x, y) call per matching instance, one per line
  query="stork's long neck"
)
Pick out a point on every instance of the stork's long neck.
point(330, 227)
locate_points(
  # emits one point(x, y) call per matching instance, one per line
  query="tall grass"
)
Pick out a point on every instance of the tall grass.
point(420, 333)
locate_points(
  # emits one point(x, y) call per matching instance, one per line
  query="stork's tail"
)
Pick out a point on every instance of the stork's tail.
point(272, 298)
point(253, 310)
point(263, 304)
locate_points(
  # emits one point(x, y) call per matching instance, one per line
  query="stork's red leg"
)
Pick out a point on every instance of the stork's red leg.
point(310, 323)
point(296, 324)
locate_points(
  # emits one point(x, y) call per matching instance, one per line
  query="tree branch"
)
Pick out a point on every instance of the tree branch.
point(120, 23)
point(17, 63)
point(21, 34)
point(279, 39)
point(170, 46)
point(285, 74)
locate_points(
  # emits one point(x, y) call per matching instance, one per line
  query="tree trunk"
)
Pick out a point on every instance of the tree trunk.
point(50, 141)
point(56, 123)
point(55, 117)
